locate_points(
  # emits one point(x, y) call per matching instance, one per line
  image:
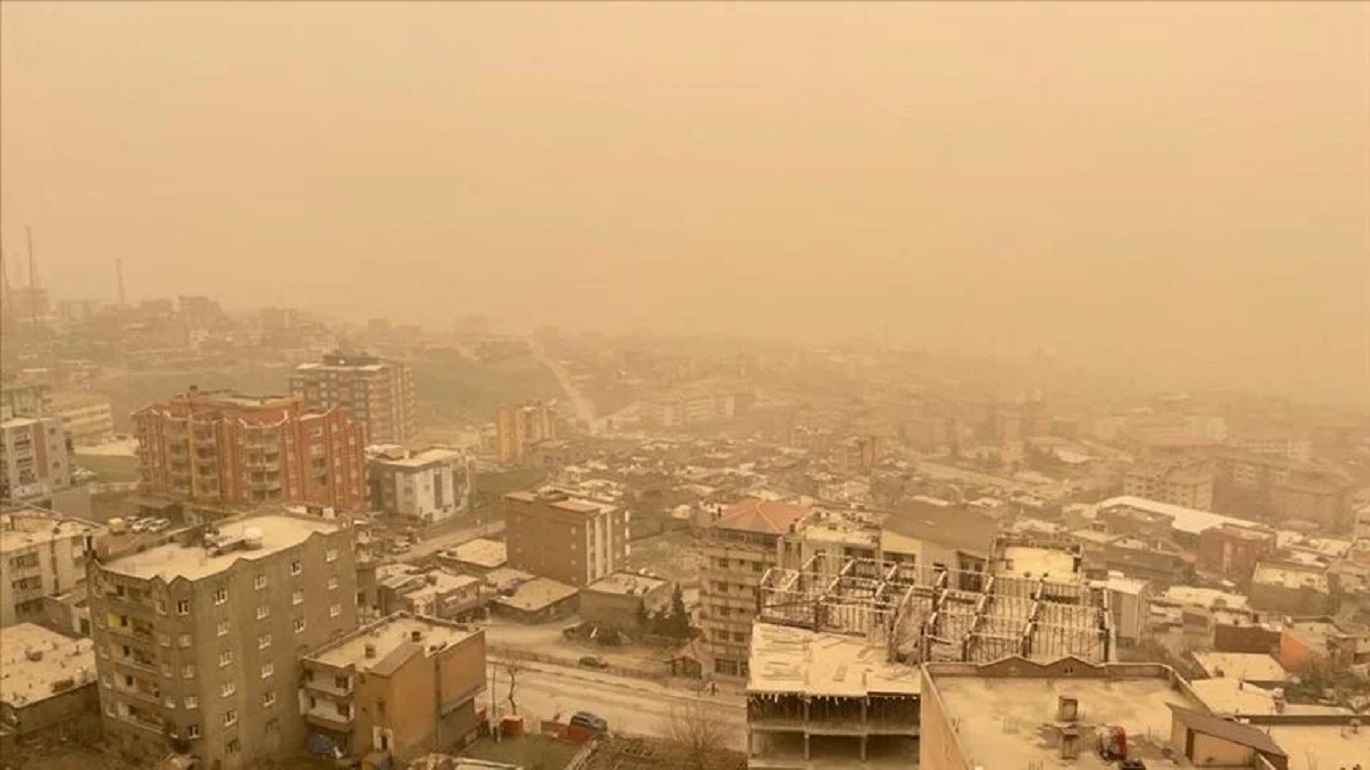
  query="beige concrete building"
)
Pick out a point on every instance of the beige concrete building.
point(35, 460)
point(48, 679)
point(41, 554)
point(1176, 482)
point(403, 686)
point(574, 541)
point(88, 417)
point(747, 540)
point(518, 427)
point(376, 393)
point(198, 638)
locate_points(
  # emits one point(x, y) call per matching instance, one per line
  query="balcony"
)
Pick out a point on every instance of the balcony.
point(325, 715)
point(145, 721)
point(327, 685)
point(145, 665)
point(134, 630)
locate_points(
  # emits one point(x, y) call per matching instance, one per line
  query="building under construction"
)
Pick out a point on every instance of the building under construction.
point(834, 657)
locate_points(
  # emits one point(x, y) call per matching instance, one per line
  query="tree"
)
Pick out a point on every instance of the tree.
point(512, 669)
point(699, 729)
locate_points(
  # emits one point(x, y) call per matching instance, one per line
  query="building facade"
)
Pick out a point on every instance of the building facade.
point(1187, 484)
point(569, 540)
point(197, 641)
point(376, 393)
point(41, 554)
point(88, 417)
point(519, 427)
point(1232, 552)
point(35, 458)
point(747, 540)
point(403, 686)
point(431, 486)
point(228, 449)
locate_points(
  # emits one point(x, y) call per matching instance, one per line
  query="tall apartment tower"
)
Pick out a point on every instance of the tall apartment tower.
point(518, 426)
point(41, 554)
point(553, 535)
point(229, 449)
point(34, 458)
point(378, 394)
point(738, 548)
point(197, 640)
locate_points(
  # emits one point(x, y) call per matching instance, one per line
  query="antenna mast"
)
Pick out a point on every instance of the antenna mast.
point(119, 268)
point(33, 277)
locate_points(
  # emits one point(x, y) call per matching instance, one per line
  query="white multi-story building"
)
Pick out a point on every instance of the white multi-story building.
point(41, 554)
point(1276, 445)
point(432, 485)
point(34, 459)
point(690, 405)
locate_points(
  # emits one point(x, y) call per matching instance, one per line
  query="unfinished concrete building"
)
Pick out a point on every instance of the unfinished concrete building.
point(835, 650)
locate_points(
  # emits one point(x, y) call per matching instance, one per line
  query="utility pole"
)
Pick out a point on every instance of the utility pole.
point(119, 269)
point(33, 277)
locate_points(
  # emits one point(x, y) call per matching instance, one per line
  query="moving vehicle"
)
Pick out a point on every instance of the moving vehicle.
point(593, 661)
point(590, 721)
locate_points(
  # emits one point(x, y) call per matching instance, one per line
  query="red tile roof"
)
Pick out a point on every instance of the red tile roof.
point(766, 516)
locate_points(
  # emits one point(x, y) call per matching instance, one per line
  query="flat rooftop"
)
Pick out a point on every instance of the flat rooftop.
point(626, 583)
point(536, 594)
point(389, 636)
point(1038, 562)
point(1004, 721)
point(1290, 576)
point(171, 561)
point(24, 681)
point(424, 458)
point(1240, 665)
point(799, 661)
point(1322, 747)
point(481, 552)
point(28, 527)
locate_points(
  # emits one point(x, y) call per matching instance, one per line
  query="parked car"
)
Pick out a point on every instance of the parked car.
point(140, 525)
point(159, 525)
point(590, 721)
point(593, 661)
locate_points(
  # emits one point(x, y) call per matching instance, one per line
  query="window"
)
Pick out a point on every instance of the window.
point(183, 607)
point(220, 596)
point(230, 717)
point(263, 611)
point(299, 625)
point(295, 567)
point(269, 698)
point(332, 584)
point(164, 640)
point(185, 640)
point(192, 702)
point(268, 669)
point(188, 671)
point(335, 611)
point(222, 630)
point(169, 702)
point(259, 582)
point(263, 641)
point(228, 689)
point(192, 731)
point(225, 658)
point(233, 746)
point(161, 606)
point(330, 555)
point(166, 670)
point(273, 725)
point(297, 597)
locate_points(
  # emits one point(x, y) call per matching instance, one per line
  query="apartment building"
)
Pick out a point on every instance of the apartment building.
point(24, 398)
point(1316, 497)
point(35, 458)
point(1232, 552)
point(376, 393)
point(431, 486)
point(1177, 483)
point(570, 540)
point(88, 417)
point(690, 405)
point(738, 548)
point(230, 449)
point(404, 685)
point(41, 554)
point(1284, 446)
point(517, 427)
point(197, 639)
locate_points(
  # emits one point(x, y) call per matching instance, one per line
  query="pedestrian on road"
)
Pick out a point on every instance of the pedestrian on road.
point(713, 688)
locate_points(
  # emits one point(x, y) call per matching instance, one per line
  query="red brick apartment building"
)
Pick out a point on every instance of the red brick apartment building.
point(229, 449)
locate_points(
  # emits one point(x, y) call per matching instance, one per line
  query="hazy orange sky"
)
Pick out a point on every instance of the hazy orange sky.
point(1177, 190)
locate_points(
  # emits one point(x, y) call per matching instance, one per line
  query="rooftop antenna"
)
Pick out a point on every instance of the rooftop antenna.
point(119, 269)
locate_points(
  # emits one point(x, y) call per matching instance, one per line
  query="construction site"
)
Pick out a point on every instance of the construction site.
point(836, 648)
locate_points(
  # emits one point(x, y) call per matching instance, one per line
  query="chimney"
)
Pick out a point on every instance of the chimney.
point(1067, 709)
point(416, 636)
point(370, 650)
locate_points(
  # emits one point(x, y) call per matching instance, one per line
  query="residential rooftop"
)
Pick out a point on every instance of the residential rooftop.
point(420, 459)
point(626, 583)
point(193, 562)
point(36, 663)
point(762, 516)
point(390, 641)
point(1291, 576)
point(1256, 667)
point(480, 552)
point(785, 659)
point(999, 719)
point(28, 527)
point(1189, 521)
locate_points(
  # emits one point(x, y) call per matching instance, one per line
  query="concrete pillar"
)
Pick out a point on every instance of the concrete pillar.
point(806, 747)
point(863, 748)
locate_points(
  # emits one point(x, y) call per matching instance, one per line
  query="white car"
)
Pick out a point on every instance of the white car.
point(159, 525)
point(140, 525)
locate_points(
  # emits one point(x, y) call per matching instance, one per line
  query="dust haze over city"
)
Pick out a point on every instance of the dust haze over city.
point(599, 385)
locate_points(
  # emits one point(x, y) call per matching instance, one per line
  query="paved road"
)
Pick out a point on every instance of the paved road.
point(584, 409)
point(632, 707)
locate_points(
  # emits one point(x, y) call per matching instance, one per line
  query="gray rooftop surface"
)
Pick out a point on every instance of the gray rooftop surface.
point(193, 562)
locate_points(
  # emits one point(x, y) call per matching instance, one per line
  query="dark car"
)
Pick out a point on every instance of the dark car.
point(590, 721)
point(593, 661)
